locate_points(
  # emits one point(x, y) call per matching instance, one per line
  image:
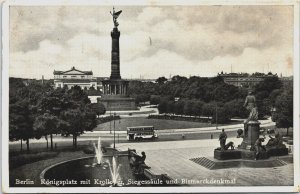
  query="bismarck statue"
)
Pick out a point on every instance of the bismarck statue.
point(251, 124)
point(250, 104)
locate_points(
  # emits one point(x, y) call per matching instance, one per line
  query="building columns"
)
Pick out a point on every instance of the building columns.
point(115, 88)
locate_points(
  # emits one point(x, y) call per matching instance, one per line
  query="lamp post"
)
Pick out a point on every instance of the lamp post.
point(216, 116)
point(110, 122)
point(114, 130)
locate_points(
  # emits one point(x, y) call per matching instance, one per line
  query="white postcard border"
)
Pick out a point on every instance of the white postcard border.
point(5, 100)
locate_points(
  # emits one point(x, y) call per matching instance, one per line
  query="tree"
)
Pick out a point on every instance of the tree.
point(208, 109)
point(225, 92)
point(273, 96)
point(75, 127)
point(269, 84)
point(89, 118)
point(77, 97)
point(154, 99)
point(170, 107)
point(142, 98)
point(284, 109)
point(179, 79)
point(78, 115)
point(23, 108)
point(20, 122)
point(78, 122)
point(163, 106)
point(189, 107)
point(45, 125)
point(98, 109)
point(179, 107)
point(236, 108)
point(49, 103)
point(198, 108)
point(161, 80)
point(222, 115)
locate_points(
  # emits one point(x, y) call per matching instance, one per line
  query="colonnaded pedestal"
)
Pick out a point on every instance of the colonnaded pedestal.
point(115, 90)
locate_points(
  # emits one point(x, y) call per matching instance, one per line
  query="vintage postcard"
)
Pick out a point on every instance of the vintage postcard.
point(150, 96)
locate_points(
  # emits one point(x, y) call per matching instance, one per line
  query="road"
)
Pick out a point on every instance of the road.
point(163, 135)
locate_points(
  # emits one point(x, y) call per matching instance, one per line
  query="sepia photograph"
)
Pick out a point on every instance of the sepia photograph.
point(150, 97)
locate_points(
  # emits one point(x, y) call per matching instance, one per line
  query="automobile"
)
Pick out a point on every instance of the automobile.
point(139, 133)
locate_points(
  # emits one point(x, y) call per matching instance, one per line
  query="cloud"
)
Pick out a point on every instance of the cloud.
point(151, 15)
point(184, 40)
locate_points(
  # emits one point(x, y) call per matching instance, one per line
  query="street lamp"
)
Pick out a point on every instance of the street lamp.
point(216, 116)
point(108, 106)
point(110, 122)
point(114, 130)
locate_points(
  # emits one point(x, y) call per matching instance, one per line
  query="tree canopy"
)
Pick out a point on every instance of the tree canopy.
point(38, 110)
point(198, 96)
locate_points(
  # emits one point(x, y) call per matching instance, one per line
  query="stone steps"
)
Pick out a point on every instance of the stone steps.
point(203, 161)
point(213, 164)
point(281, 162)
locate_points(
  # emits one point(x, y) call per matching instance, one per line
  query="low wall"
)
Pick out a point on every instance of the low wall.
point(180, 118)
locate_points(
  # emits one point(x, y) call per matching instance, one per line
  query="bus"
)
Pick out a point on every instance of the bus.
point(139, 133)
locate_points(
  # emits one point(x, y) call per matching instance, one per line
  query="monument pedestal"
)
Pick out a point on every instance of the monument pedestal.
point(277, 151)
point(115, 96)
point(251, 134)
point(116, 103)
point(227, 154)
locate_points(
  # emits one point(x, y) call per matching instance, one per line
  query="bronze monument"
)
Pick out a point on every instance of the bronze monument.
point(115, 90)
point(251, 124)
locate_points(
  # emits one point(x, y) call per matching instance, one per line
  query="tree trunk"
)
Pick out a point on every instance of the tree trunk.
point(21, 145)
point(47, 143)
point(75, 141)
point(51, 140)
point(287, 131)
point(27, 143)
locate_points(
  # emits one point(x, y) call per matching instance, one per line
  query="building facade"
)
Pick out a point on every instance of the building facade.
point(244, 79)
point(74, 77)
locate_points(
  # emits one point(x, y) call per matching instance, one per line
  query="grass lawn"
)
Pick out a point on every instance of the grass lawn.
point(159, 124)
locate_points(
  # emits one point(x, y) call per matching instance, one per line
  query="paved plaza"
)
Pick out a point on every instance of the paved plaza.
point(172, 158)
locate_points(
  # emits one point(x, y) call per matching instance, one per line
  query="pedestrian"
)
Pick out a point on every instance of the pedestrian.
point(222, 139)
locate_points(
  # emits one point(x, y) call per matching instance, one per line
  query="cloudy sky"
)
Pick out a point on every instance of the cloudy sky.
point(185, 40)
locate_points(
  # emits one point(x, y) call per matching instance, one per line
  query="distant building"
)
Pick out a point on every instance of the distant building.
point(142, 80)
point(74, 77)
point(245, 79)
point(286, 79)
